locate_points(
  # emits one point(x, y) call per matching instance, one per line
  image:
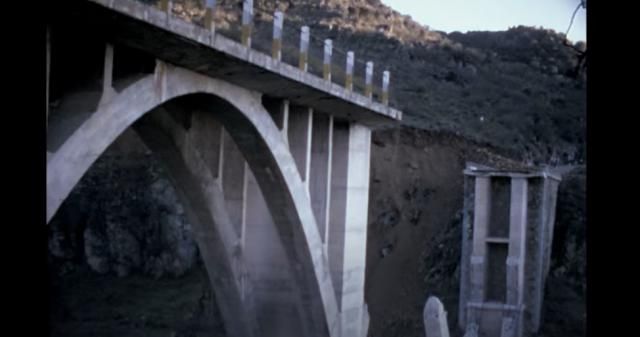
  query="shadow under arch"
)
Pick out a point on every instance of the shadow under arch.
point(241, 112)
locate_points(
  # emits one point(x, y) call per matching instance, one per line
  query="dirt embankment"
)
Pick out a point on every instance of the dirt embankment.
point(415, 230)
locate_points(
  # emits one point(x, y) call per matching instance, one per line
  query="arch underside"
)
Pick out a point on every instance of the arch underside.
point(174, 111)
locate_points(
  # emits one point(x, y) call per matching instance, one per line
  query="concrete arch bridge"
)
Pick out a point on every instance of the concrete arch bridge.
point(271, 162)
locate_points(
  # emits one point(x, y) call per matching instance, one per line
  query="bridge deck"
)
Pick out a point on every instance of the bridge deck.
point(185, 44)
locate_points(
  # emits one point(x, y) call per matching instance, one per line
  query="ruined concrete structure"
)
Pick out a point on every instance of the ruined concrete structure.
point(506, 244)
point(270, 162)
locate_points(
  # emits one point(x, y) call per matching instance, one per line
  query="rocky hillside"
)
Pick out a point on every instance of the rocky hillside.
point(519, 91)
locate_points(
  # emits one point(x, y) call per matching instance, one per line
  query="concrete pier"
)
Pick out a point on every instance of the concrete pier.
point(508, 219)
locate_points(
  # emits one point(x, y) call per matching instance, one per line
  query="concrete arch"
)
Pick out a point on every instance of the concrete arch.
point(203, 201)
point(266, 153)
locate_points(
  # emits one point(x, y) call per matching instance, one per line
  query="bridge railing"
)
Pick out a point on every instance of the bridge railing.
point(290, 40)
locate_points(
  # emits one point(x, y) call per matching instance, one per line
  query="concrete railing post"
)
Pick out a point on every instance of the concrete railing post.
point(326, 67)
point(304, 48)
point(349, 73)
point(368, 89)
point(435, 318)
point(276, 47)
point(209, 15)
point(107, 78)
point(385, 87)
point(247, 21)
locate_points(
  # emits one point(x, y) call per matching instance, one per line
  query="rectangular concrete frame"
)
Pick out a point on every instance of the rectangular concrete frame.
point(527, 265)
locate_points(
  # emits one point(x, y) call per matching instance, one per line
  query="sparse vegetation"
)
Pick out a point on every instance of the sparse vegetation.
point(500, 98)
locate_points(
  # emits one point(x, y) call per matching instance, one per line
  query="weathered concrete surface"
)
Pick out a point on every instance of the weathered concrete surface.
point(353, 307)
point(320, 179)
point(231, 123)
point(263, 146)
point(204, 206)
point(517, 269)
point(435, 318)
point(147, 28)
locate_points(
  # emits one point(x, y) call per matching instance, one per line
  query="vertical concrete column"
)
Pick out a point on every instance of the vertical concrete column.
point(209, 15)
point(467, 241)
point(304, 48)
point(234, 182)
point(276, 46)
point(517, 237)
point(356, 230)
point(48, 73)
point(221, 156)
point(349, 71)
point(206, 135)
point(482, 201)
point(247, 22)
point(205, 209)
point(320, 179)
point(385, 87)
point(326, 66)
point(233, 175)
point(275, 295)
point(299, 134)
point(368, 89)
point(550, 193)
point(539, 257)
point(107, 77)
point(348, 221)
point(108, 69)
point(338, 204)
point(262, 250)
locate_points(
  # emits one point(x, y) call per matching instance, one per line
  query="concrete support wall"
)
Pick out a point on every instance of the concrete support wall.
point(512, 324)
point(275, 294)
point(279, 111)
point(279, 255)
point(541, 219)
point(320, 179)
point(233, 183)
point(348, 222)
point(107, 79)
point(204, 205)
point(206, 133)
point(503, 274)
point(480, 226)
point(356, 230)
point(517, 241)
point(337, 204)
point(299, 134)
point(467, 239)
